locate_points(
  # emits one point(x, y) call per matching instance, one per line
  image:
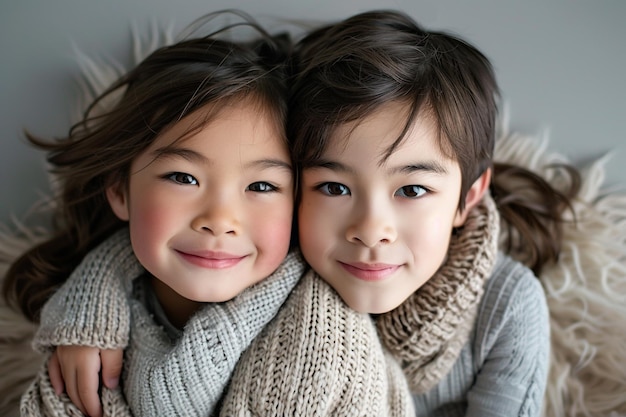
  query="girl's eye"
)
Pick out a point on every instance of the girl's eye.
point(411, 191)
point(182, 178)
point(333, 188)
point(261, 187)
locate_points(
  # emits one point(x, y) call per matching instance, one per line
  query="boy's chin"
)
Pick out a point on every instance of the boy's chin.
point(373, 305)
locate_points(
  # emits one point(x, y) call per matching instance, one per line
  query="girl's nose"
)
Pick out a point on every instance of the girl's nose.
point(218, 218)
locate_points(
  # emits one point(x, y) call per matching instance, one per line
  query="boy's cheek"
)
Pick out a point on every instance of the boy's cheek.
point(317, 231)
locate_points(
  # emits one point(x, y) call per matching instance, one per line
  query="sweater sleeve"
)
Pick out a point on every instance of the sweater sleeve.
point(40, 400)
point(317, 358)
point(190, 377)
point(91, 307)
point(514, 333)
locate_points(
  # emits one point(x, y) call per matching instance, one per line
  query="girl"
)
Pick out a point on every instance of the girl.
point(194, 159)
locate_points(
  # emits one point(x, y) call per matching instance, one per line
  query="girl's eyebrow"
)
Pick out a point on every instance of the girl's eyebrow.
point(194, 156)
point(269, 163)
point(331, 165)
point(188, 154)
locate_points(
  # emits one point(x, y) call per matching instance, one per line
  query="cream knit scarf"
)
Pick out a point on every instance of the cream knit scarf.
point(318, 357)
point(427, 332)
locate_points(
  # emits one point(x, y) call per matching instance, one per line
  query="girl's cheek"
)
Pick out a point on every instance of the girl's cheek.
point(274, 236)
point(150, 217)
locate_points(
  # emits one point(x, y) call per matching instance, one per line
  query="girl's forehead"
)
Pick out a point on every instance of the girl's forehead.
point(245, 110)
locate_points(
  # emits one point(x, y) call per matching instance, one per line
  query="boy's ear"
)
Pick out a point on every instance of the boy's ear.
point(473, 197)
point(118, 200)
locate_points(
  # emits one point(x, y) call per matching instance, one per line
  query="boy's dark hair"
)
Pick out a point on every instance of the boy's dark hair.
point(169, 84)
point(348, 70)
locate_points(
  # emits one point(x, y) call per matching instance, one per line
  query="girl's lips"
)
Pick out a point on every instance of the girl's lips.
point(370, 272)
point(212, 260)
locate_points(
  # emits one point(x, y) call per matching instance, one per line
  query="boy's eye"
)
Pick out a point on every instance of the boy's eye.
point(261, 187)
point(411, 191)
point(182, 178)
point(333, 188)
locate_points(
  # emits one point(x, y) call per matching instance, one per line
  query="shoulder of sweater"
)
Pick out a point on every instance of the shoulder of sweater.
point(513, 296)
point(510, 282)
point(112, 261)
point(117, 243)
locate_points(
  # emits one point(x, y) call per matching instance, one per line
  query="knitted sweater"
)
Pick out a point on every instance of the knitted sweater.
point(95, 308)
point(501, 370)
point(476, 336)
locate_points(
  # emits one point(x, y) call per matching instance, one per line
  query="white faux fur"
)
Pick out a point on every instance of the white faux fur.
point(585, 290)
point(18, 362)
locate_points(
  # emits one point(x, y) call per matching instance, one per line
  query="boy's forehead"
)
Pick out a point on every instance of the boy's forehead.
point(385, 133)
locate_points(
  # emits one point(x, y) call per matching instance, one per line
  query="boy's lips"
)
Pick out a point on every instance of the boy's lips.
point(369, 272)
point(211, 259)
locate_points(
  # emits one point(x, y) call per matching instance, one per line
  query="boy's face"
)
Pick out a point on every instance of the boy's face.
point(210, 214)
point(376, 230)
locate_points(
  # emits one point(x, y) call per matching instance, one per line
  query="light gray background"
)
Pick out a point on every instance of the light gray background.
point(561, 65)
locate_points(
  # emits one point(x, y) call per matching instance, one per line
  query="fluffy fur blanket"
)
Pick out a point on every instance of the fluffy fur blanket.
point(585, 289)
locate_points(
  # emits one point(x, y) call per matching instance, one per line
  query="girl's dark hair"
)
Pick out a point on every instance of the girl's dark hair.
point(348, 70)
point(169, 84)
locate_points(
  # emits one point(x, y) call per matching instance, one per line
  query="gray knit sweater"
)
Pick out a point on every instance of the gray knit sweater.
point(95, 308)
point(502, 370)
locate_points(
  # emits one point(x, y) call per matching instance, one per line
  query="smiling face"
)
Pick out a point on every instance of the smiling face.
point(210, 211)
point(377, 229)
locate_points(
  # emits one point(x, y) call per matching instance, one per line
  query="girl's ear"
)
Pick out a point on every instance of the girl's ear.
point(473, 197)
point(118, 200)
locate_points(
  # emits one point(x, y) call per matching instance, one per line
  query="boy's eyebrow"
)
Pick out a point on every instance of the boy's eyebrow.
point(194, 156)
point(426, 166)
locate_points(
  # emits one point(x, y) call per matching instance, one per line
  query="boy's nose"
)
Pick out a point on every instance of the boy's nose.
point(371, 229)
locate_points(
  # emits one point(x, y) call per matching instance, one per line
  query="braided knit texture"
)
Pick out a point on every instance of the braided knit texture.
point(427, 332)
point(317, 358)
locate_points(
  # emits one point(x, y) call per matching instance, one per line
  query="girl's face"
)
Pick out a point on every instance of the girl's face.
point(210, 214)
point(376, 230)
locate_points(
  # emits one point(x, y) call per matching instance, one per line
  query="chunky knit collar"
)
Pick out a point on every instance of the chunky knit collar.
point(427, 332)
